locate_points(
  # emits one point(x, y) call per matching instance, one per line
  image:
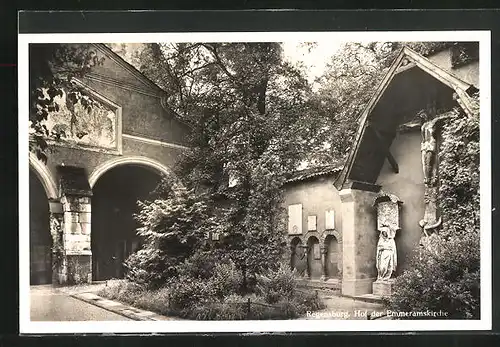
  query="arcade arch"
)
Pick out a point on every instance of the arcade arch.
point(117, 186)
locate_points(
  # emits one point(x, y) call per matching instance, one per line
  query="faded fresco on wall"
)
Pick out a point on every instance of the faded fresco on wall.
point(94, 126)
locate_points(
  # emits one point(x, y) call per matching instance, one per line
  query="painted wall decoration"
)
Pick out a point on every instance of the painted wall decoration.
point(94, 127)
point(295, 219)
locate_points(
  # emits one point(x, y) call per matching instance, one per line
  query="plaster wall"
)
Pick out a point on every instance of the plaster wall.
point(409, 187)
point(316, 196)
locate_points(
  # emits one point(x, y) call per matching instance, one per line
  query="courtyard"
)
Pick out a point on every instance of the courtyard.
point(226, 181)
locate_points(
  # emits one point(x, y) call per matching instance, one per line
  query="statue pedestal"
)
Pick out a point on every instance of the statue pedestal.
point(382, 288)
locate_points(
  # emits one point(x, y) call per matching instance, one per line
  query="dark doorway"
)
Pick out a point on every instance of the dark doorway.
point(40, 238)
point(332, 256)
point(114, 203)
point(298, 260)
point(314, 258)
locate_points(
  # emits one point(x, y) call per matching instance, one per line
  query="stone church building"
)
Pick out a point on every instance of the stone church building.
point(83, 198)
point(93, 178)
point(336, 215)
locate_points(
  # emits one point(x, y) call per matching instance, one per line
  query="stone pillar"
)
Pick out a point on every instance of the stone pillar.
point(76, 239)
point(359, 241)
point(58, 257)
point(324, 251)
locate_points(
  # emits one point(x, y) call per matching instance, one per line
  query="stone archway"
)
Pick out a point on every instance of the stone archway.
point(136, 161)
point(314, 264)
point(114, 203)
point(44, 176)
point(298, 261)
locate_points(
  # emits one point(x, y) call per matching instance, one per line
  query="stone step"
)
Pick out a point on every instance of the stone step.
point(328, 285)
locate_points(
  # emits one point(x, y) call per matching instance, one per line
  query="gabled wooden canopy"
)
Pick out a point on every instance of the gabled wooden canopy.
point(411, 83)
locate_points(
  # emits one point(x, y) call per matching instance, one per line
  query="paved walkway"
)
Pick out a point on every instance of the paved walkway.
point(80, 303)
point(52, 304)
point(344, 308)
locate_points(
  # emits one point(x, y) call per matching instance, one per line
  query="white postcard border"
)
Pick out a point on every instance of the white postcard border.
point(485, 323)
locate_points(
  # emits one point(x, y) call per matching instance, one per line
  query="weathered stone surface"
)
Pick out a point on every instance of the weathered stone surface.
point(359, 241)
point(85, 228)
point(79, 268)
point(72, 228)
point(84, 217)
point(383, 288)
point(71, 217)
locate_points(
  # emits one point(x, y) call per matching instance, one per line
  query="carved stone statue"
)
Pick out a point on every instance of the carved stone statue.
point(387, 258)
point(388, 208)
point(430, 149)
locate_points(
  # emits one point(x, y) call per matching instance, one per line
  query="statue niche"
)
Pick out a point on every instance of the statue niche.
point(388, 207)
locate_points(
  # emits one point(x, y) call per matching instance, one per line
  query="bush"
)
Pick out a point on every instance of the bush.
point(445, 278)
point(186, 291)
point(156, 301)
point(219, 297)
point(122, 290)
point(274, 285)
point(200, 265)
point(232, 307)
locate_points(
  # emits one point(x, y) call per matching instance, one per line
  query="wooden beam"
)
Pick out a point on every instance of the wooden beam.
point(392, 162)
point(390, 158)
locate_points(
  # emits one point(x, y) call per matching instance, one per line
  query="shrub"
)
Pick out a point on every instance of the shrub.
point(232, 307)
point(122, 290)
point(445, 278)
point(186, 291)
point(172, 228)
point(156, 301)
point(200, 265)
point(276, 284)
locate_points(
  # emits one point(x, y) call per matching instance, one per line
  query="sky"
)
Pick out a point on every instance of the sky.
point(314, 61)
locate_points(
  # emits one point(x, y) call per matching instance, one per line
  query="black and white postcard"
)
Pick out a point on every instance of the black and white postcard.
point(255, 182)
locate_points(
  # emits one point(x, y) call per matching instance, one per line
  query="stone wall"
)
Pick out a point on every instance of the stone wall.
point(147, 135)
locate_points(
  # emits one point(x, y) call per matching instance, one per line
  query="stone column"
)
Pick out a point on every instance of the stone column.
point(359, 241)
point(77, 259)
point(58, 257)
point(324, 260)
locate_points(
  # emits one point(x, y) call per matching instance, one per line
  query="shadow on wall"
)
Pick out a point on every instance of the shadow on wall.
point(40, 238)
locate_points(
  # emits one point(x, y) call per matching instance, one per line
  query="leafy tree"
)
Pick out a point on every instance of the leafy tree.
point(51, 72)
point(247, 107)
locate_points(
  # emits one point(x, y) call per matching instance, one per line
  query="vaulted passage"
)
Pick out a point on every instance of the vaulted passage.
point(40, 238)
point(114, 203)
